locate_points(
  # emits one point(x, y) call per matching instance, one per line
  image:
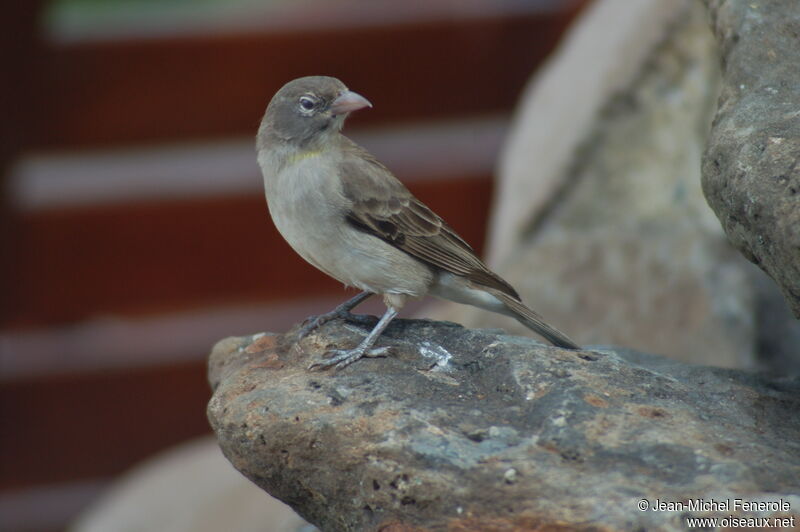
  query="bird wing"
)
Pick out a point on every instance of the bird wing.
point(382, 206)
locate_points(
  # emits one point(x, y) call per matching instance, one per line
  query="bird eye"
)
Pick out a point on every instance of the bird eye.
point(307, 103)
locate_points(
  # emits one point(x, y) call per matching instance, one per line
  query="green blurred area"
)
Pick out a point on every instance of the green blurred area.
point(103, 4)
point(93, 8)
point(74, 17)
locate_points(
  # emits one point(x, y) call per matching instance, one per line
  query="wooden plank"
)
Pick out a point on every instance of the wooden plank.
point(19, 56)
point(159, 256)
point(120, 92)
point(170, 255)
point(64, 428)
point(22, 509)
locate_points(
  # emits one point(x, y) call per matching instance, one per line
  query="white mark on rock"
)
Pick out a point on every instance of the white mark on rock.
point(490, 346)
point(510, 475)
point(441, 357)
point(253, 339)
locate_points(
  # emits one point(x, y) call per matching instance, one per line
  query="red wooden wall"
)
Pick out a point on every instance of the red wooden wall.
point(64, 266)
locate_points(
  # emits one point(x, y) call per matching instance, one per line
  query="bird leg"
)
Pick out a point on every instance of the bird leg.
point(344, 357)
point(342, 311)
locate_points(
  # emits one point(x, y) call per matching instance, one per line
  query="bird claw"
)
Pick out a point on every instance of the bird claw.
point(312, 324)
point(344, 357)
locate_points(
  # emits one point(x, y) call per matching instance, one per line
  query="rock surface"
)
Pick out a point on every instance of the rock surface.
point(751, 167)
point(601, 223)
point(464, 429)
point(630, 253)
point(561, 105)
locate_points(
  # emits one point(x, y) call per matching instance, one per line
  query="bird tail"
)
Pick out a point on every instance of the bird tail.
point(534, 322)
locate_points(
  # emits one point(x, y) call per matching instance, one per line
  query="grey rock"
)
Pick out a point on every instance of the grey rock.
point(751, 170)
point(503, 434)
point(629, 252)
point(778, 331)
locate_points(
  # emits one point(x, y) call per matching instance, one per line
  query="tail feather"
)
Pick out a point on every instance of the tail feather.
point(534, 322)
point(456, 288)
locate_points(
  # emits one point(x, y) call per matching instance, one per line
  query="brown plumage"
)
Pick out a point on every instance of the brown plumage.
point(389, 211)
point(345, 213)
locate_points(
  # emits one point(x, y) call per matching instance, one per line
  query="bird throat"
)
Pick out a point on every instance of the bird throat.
point(303, 155)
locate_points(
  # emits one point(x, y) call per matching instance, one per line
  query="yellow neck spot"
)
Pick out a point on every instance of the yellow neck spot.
point(303, 155)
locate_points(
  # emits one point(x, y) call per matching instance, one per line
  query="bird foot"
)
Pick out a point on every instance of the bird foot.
point(312, 324)
point(344, 357)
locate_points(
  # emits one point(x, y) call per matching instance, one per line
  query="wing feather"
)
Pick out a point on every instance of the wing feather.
point(382, 206)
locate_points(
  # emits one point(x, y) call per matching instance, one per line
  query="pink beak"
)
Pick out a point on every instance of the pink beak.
point(347, 102)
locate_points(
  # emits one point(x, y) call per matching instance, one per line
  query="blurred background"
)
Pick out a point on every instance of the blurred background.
point(133, 229)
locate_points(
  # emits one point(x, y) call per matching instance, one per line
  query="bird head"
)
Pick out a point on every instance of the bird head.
point(305, 111)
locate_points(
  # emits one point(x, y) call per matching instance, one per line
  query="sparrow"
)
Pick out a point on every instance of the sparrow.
point(345, 213)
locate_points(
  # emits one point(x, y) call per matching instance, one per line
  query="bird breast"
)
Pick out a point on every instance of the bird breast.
point(308, 208)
